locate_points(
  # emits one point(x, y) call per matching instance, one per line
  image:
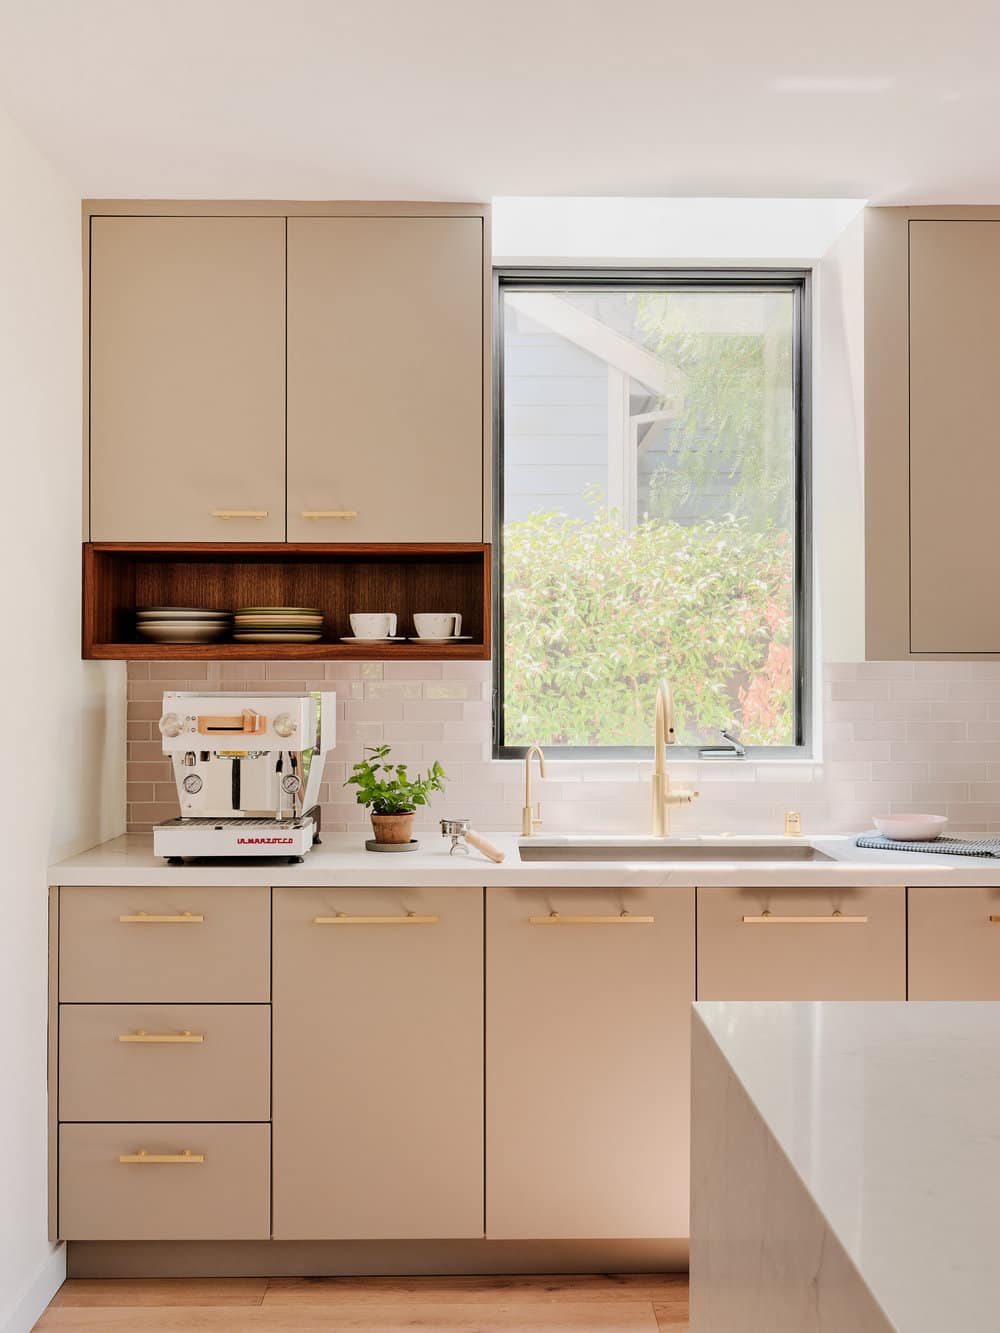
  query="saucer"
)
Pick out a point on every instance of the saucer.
point(448, 638)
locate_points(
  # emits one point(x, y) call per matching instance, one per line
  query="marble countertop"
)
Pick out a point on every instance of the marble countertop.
point(890, 1114)
point(341, 861)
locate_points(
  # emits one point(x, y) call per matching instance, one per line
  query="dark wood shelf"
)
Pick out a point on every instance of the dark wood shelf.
point(118, 577)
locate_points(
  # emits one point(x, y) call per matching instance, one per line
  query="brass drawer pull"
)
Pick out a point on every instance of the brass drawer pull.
point(624, 918)
point(329, 513)
point(238, 513)
point(995, 920)
point(834, 919)
point(143, 1158)
point(180, 919)
point(342, 919)
point(163, 1038)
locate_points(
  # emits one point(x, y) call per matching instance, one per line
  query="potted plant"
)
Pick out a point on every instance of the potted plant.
point(391, 794)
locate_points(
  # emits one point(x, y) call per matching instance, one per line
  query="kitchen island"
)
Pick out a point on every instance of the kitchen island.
point(845, 1167)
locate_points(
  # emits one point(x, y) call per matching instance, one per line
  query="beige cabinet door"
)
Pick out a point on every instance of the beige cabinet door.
point(802, 944)
point(385, 379)
point(954, 944)
point(187, 379)
point(587, 1062)
point(954, 442)
point(378, 1064)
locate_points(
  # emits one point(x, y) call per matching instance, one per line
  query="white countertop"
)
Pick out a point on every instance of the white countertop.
point(341, 861)
point(890, 1114)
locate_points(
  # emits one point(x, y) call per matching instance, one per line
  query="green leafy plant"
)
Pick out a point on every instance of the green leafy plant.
point(388, 788)
point(594, 615)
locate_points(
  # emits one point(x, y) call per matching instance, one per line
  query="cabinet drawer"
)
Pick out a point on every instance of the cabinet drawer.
point(164, 1062)
point(223, 1196)
point(802, 944)
point(173, 946)
point(954, 946)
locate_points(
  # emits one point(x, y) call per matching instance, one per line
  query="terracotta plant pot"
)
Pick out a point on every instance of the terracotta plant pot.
point(393, 828)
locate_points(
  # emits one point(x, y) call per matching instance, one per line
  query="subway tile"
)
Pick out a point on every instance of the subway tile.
point(831, 671)
point(295, 670)
point(910, 690)
point(453, 750)
point(138, 731)
point(852, 710)
point(466, 670)
point(872, 751)
point(233, 672)
point(901, 772)
point(451, 689)
point(367, 733)
point(943, 791)
point(139, 791)
point(146, 752)
point(942, 670)
point(882, 731)
point(413, 670)
point(985, 671)
point(393, 689)
point(975, 689)
point(143, 710)
point(962, 710)
point(433, 710)
point(508, 772)
point(984, 792)
point(885, 671)
point(856, 770)
point(863, 689)
point(137, 670)
point(940, 732)
point(961, 772)
point(956, 753)
point(415, 731)
point(178, 671)
point(148, 772)
point(380, 710)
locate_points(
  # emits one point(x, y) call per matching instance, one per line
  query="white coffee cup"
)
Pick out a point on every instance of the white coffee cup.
point(438, 624)
point(373, 624)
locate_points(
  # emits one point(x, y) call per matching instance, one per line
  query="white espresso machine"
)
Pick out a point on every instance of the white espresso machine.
point(248, 769)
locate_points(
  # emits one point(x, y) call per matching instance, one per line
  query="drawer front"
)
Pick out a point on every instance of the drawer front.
point(172, 946)
point(802, 944)
point(954, 944)
point(224, 1196)
point(164, 1062)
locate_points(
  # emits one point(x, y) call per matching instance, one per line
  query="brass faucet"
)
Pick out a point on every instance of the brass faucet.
point(663, 797)
point(529, 821)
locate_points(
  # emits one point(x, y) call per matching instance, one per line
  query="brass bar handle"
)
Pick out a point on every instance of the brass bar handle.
point(834, 919)
point(624, 918)
point(143, 1158)
point(995, 920)
point(147, 919)
point(329, 513)
point(238, 513)
point(342, 919)
point(163, 1038)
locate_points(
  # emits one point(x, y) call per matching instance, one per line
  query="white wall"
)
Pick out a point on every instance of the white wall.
point(61, 776)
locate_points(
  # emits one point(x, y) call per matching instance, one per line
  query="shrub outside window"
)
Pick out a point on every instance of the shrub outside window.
point(652, 482)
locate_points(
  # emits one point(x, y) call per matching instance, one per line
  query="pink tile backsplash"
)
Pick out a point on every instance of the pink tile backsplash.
point(897, 736)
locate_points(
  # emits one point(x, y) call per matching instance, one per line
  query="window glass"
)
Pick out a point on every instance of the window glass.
point(649, 460)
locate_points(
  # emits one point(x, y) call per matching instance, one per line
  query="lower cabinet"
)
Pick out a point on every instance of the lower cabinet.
point(954, 937)
point(164, 1182)
point(802, 944)
point(588, 997)
point(378, 1064)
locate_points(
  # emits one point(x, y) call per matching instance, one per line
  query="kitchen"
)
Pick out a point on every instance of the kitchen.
point(228, 1110)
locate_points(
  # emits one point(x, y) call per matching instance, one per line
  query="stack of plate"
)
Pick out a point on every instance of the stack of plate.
point(181, 624)
point(278, 624)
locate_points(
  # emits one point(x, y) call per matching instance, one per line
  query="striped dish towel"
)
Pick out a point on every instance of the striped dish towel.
point(956, 846)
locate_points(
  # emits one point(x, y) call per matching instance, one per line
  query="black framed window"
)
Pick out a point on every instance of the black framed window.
point(652, 515)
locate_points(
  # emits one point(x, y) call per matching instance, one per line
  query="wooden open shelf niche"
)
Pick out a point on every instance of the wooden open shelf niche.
point(118, 577)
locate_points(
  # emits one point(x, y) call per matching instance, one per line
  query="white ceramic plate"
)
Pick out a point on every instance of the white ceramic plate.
point(279, 622)
point(180, 613)
point(450, 638)
point(180, 632)
point(911, 828)
point(277, 636)
point(278, 611)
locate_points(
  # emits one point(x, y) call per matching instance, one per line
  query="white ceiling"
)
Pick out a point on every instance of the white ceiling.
point(893, 100)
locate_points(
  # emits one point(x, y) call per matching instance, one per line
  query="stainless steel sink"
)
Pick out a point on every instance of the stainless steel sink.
point(679, 849)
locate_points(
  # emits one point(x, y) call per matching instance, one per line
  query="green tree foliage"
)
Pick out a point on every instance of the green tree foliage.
point(594, 615)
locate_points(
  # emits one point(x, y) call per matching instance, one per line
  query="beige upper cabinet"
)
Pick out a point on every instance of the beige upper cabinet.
point(187, 378)
point(385, 379)
point(587, 1060)
point(802, 944)
point(378, 1064)
point(932, 441)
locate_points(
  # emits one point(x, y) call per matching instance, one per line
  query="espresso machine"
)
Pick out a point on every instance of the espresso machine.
point(248, 769)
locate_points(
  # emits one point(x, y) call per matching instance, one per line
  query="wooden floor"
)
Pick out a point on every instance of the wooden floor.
point(627, 1303)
